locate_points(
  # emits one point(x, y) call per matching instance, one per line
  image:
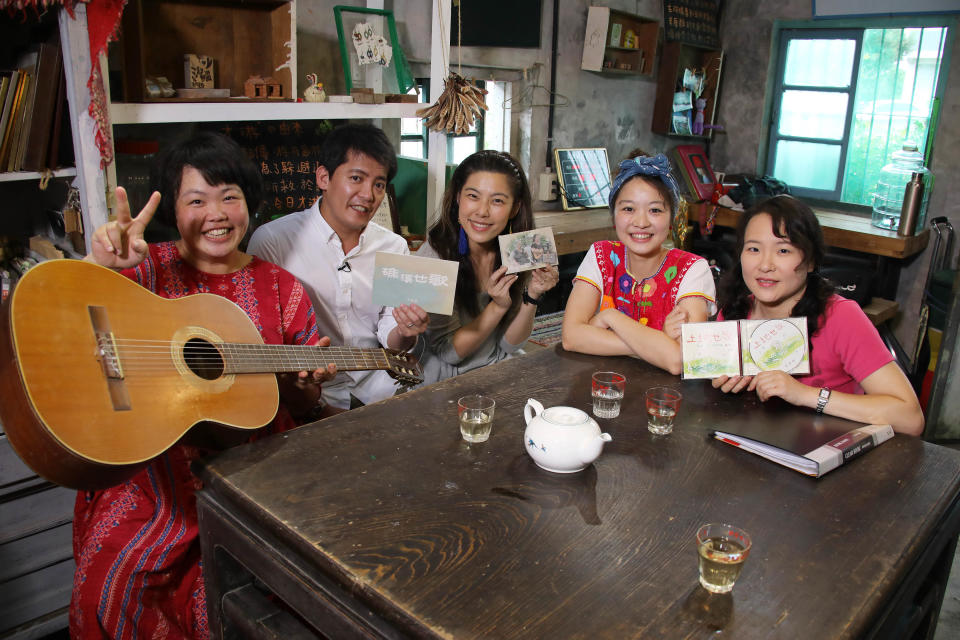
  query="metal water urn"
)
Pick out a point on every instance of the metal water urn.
point(912, 205)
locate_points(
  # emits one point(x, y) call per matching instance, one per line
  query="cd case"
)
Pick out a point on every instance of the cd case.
point(745, 347)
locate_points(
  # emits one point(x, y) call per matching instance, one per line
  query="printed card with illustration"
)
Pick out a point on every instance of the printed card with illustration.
point(744, 347)
point(710, 349)
point(528, 250)
point(401, 279)
point(774, 345)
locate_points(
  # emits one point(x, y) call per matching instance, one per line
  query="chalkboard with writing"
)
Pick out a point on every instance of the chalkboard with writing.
point(692, 22)
point(286, 152)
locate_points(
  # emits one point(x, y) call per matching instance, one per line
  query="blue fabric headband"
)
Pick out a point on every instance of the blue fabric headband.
point(656, 166)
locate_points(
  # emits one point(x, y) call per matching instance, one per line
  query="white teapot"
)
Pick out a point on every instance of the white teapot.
point(561, 439)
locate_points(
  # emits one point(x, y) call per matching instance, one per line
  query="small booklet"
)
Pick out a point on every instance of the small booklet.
point(815, 450)
point(402, 279)
point(744, 347)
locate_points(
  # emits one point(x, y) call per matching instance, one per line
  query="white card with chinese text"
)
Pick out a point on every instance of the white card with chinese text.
point(710, 349)
point(528, 250)
point(402, 279)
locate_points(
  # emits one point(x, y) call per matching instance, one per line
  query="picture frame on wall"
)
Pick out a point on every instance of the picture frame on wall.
point(583, 176)
point(695, 167)
point(371, 44)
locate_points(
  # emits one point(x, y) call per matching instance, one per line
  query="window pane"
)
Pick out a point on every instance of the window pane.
point(819, 63)
point(411, 126)
point(462, 147)
point(411, 148)
point(895, 90)
point(807, 164)
point(813, 114)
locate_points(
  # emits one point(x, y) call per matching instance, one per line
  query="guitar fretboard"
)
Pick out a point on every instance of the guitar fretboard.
point(268, 358)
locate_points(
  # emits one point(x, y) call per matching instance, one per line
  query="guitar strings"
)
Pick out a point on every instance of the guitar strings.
point(146, 355)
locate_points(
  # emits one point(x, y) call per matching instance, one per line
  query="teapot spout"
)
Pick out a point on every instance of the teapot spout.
point(591, 447)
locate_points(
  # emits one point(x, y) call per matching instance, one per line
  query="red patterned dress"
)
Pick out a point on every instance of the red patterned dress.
point(138, 569)
point(650, 300)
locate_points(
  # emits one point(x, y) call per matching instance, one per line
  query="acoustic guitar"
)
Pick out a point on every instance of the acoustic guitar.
point(98, 375)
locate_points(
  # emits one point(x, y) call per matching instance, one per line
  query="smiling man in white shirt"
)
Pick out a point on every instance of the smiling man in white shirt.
point(330, 248)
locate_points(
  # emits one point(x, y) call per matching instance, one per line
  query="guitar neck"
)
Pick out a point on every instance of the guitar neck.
point(272, 358)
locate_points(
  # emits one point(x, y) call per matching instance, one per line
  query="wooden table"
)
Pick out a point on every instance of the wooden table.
point(575, 231)
point(381, 522)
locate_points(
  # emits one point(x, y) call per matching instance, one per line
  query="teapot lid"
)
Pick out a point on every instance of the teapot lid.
point(565, 416)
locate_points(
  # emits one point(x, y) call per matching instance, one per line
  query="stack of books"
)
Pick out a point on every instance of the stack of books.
point(32, 108)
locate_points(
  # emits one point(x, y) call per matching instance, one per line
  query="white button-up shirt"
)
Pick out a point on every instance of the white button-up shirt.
point(306, 246)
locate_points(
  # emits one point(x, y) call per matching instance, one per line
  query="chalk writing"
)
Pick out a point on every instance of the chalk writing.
point(286, 154)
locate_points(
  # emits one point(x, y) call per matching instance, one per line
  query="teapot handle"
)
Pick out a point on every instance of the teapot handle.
point(533, 408)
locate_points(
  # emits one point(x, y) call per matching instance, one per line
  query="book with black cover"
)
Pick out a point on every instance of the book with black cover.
point(813, 448)
point(45, 104)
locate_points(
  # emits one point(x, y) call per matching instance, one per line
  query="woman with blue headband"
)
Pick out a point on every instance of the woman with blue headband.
point(631, 295)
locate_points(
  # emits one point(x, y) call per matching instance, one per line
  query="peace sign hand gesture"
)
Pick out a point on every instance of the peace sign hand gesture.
point(119, 244)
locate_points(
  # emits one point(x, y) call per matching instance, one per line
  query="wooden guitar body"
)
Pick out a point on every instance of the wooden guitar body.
point(81, 424)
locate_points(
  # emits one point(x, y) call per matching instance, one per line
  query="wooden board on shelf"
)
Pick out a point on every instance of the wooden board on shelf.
point(841, 230)
point(244, 39)
point(879, 310)
point(575, 231)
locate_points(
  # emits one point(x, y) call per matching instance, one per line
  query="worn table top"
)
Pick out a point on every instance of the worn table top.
point(474, 541)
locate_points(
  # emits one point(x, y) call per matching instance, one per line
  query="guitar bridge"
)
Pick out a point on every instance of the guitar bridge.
point(109, 358)
point(107, 355)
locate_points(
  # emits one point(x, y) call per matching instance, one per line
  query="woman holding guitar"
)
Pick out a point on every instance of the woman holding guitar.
point(135, 544)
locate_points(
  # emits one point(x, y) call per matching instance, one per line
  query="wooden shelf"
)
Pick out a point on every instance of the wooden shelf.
point(675, 58)
point(240, 110)
point(841, 230)
point(243, 38)
point(879, 310)
point(605, 35)
point(19, 176)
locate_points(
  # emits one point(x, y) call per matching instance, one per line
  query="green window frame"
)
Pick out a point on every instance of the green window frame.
point(476, 132)
point(853, 150)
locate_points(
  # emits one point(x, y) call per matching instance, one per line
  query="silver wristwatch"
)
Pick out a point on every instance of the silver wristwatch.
point(823, 399)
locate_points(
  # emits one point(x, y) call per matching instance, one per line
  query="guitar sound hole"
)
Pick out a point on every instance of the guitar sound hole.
point(203, 359)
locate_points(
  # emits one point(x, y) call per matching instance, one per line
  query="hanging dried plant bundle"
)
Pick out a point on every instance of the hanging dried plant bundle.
point(459, 105)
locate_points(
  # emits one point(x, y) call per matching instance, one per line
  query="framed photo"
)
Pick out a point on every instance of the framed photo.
point(696, 170)
point(365, 44)
point(583, 176)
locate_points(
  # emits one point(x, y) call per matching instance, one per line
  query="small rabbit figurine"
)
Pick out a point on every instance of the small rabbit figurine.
point(314, 91)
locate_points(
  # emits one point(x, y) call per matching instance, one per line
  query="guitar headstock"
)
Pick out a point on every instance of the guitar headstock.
point(404, 367)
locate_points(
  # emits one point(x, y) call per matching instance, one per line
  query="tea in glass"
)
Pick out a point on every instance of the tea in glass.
point(476, 417)
point(722, 549)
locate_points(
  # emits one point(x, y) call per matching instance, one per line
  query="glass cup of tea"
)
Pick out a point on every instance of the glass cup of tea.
point(722, 549)
point(476, 417)
point(663, 403)
point(607, 390)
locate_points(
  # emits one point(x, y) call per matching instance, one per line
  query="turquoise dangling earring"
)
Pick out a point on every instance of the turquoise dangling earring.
point(463, 248)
